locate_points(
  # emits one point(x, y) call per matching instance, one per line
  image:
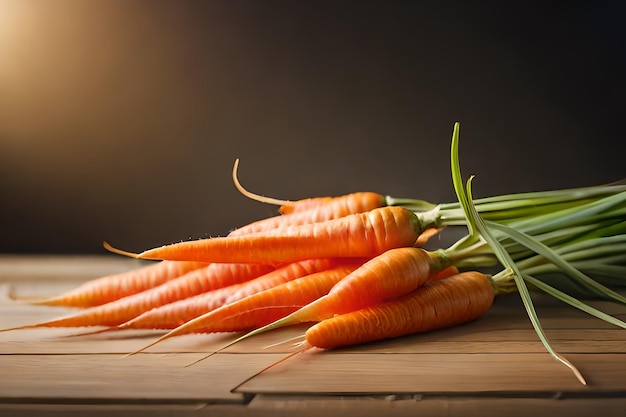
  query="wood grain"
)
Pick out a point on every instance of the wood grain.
point(100, 377)
point(474, 369)
point(436, 373)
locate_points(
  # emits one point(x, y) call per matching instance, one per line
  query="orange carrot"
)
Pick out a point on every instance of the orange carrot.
point(439, 304)
point(264, 307)
point(119, 311)
point(112, 287)
point(355, 202)
point(349, 203)
point(295, 206)
point(333, 209)
point(172, 315)
point(178, 312)
point(358, 235)
point(426, 235)
point(389, 275)
point(445, 273)
point(352, 203)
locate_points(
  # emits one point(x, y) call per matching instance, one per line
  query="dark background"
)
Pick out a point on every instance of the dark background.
point(120, 120)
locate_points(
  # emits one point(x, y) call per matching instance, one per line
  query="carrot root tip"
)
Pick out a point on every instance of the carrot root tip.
point(117, 251)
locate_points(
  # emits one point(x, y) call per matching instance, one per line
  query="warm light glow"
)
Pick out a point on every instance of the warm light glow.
point(19, 21)
point(12, 21)
point(14, 25)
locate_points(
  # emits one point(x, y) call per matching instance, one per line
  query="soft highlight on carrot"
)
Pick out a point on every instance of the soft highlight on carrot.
point(444, 303)
point(304, 204)
point(358, 235)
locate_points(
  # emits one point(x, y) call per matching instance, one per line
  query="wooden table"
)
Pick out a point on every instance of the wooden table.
point(494, 366)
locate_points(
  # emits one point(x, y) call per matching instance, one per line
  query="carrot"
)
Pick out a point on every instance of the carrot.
point(119, 311)
point(270, 305)
point(426, 235)
point(445, 273)
point(178, 312)
point(332, 209)
point(358, 235)
point(447, 302)
point(304, 204)
point(353, 202)
point(112, 287)
point(264, 307)
point(439, 304)
point(357, 202)
point(389, 275)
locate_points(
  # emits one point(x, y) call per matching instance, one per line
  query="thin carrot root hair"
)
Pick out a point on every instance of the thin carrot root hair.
point(253, 196)
point(439, 304)
point(364, 200)
point(303, 348)
point(26, 299)
point(291, 339)
point(303, 343)
point(252, 311)
point(117, 251)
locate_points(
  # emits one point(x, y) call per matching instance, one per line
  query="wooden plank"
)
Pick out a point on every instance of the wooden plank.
point(116, 409)
point(198, 409)
point(322, 406)
point(462, 339)
point(499, 353)
point(96, 378)
point(324, 372)
point(417, 405)
point(54, 341)
point(61, 341)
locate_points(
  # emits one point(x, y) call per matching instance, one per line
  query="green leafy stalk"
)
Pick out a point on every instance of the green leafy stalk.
point(511, 207)
point(556, 259)
point(475, 223)
point(573, 301)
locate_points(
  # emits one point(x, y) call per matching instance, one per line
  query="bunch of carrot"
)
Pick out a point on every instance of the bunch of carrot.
point(356, 267)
